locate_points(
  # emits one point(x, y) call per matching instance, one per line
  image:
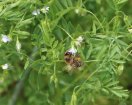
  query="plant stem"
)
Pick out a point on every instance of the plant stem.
point(19, 87)
point(20, 84)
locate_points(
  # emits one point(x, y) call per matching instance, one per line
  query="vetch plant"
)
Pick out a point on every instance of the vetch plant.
point(40, 38)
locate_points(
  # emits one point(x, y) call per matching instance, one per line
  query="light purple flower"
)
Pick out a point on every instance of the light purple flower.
point(5, 38)
point(72, 50)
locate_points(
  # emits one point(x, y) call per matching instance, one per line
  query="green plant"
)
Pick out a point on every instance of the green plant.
point(35, 34)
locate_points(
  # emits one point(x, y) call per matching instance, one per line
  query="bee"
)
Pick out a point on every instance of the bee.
point(77, 61)
point(73, 60)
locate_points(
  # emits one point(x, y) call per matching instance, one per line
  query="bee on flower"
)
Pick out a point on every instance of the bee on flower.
point(72, 59)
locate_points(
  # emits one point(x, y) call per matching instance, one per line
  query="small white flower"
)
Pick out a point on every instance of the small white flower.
point(5, 66)
point(36, 12)
point(18, 45)
point(77, 11)
point(130, 30)
point(80, 12)
point(79, 41)
point(5, 38)
point(72, 50)
point(45, 9)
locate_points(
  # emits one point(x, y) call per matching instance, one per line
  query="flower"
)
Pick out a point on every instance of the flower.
point(79, 41)
point(36, 12)
point(5, 38)
point(18, 45)
point(72, 50)
point(77, 11)
point(45, 9)
point(80, 12)
point(130, 30)
point(5, 66)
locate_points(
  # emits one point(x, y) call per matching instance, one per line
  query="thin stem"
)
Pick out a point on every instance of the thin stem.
point(19, 87)
point(20, 84)
point(94, 17)
point(66, 32)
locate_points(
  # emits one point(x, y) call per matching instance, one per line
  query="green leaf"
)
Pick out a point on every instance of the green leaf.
point(122, 1)
point(26, 64)
point(55, 44)
point(118, 88)
point(69, 2)
point(94, 28)
point(115, 50)
point(89, 51)
point(110, 84)
point(44, 49)
point(105, 90)
point(24, 23)
point(116, 93)
point(58, 5)
point(120, 93)
point(22, 34)
point(64, 3)
point(79, 3)
point(102, 51)
point(118, 61)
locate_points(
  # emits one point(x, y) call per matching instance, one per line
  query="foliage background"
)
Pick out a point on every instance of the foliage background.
point(37, 74)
